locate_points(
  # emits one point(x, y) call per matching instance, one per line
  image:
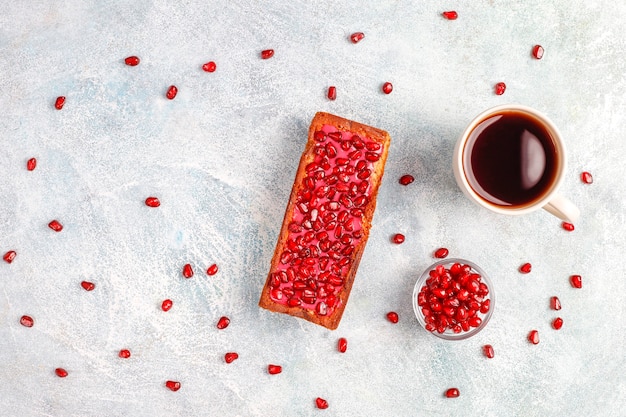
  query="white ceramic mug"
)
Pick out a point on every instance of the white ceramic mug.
point(548, 198)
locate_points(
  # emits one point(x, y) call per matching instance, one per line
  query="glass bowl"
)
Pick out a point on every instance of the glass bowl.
point(454, 292)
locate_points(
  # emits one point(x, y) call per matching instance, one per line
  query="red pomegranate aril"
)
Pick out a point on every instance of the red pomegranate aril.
point(525, 268)
point(187, 271)
point(488, 351)
point(274, 369)
point(166, 305)
point(172, 385)
point(533, 337)
point(392, 316)
point(27, 321)
point(9, 256)
point(267, 53)
point(452, 393)
point(321, 403)
point(209, 67)
point(406, 179)
point(60, 372)
point(55, 225)
point(212, 270)
point(152, 202)
point(88, 286)
point(538, 51)
point(171, 93)
point(31, 164)
point(576, 281)
point(441, 253)
point(332, 92)
point(124, 354)
point(555, 303)
point(342, 344)
point(230, 357)
point(59, 102)
point(557, 323)
point(357, 37)
point(450, 15)
point(567, 226)
point(223, 322)
point(132, 61)
point(500, 88)
point(387, 88)
point(398, 238)
point(586, 177)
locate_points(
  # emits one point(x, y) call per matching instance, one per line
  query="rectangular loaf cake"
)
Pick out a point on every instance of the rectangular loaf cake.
point(327, 220)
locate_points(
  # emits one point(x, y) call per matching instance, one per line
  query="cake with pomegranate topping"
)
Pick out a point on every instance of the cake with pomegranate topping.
point(327, 220)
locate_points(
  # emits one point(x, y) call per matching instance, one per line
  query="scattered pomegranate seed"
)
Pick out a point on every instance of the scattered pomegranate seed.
point(500, 88)
point(132, 61)
point(321, 403)
point(406, 179)
point(55, 225)
point(357, 37)
point(441, 253)
point(59, 103)
point(450, 15)
point(223, 322)
point(452, 393)
point(166, 305)
point(61, 373)
point(124, 354)
point(555, 303)
point(557, 323)
point(27, 321)
point(586, 177)
point(342, 345)
point(267, 53)
point(31, 164)
point(9, 256)
point(538, 51)
point(88, 286)
point(576, 281)
point(230, 357)
point(187, 271)
point(172, 385)
point(392, 316)
point(153, 202)
point(209, 67)
point(212, 270)
point(398, 238)
point(332, 92)
point(567, 226)
point(387, 88)
point(526, 268)
point(533, 337)
point(274, 369)
point(488, 351)
point(171, 93)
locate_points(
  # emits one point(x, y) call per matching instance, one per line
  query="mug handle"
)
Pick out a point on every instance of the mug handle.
point(562, 208)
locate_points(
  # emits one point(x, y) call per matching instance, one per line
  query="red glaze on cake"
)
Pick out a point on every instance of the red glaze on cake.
point(327, 221)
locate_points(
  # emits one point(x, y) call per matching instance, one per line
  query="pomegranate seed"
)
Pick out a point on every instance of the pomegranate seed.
point(586, 177)
point(450, 15)
point(274, 369)
point(172, 385)
point(9, 256)
point(452, 393)
point(441, 253)
point(567, 226)
point(230, 357)
point(267, 53)
point(555, 303)
point(187, 271)
point(132, 61)
point(526, 268)
point(398, 238)
point(533, 337)
point(152, 202)
point(500, 88)
point(342, 344)
point(59, 103)
point(223, 322)
point(357, 37)
point(576, 281)
point(488, 351)
point(332, 92)
point(406, 179)
point(124, 354)
point(88, 286)
point(55, 225)
point(392, 316)
point(538, 51)
point(171, 92)
point(27, 321)
point(209, 67)
point(61, 373)
point(212, 270)
point(166, 305)
point(557, 323)
point(31, 164)
point(321, 403)
point(387, 88)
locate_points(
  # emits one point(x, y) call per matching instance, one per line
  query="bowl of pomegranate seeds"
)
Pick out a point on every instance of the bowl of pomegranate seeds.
point(453, 299)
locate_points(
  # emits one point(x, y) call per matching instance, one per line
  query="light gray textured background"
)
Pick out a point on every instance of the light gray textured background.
point(222, 156)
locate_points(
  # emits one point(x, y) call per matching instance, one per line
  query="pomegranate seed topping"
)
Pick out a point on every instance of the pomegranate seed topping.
point(212, 270)
point(9, 256)
point(321, 403)
point(406, 179)
point(230, 357)
point(398, 238)
point(172, 385)
point(526, 268)
point(392, 316)
point(209, 67)
point(27, 321)
point(274, 369)
point(267, 53)
point(88, 286)
point(500, 88)
point(576, 281)
point(557, 323)
point(586, 177)
point(31, 164)
point(387, 88)
point(124, 354)
point(187, 271)
point(567, 226)
point(555, 303)
point(166, 305)
point(61, 373)
point(357, 37)
point(132, 61)
point(441, 253)
point(152, 202)
point(342, 344)
point(533, 337)
point(452, 393)
point(223, 322)
point(59, 103)
point(55, 225)
point(171, 93)
point(488, 351)
point(450, 15)
point(332, 92)
point(538, 51)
